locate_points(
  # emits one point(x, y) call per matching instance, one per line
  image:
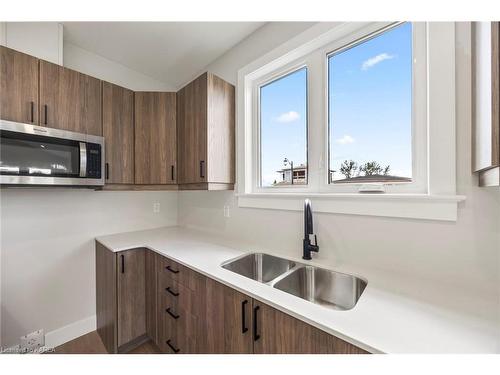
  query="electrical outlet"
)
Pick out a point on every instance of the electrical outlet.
point(32, 341)
point(156, 207)
point(226, 211)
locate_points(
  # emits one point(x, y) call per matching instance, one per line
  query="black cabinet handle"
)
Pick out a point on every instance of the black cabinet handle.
point(256, 335)
point(169, 312)
point(172, 173)
point(202, 169)
point(45, 110)
point(32, 112)
point(171, 269)
point(172, 292)
point(174, 349)
point(106, 166)
point(243, 317)
point(123, 262)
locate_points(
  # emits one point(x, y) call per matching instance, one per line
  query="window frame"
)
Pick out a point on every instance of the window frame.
point(439, 202)
point(257, 145)
point(419, 183)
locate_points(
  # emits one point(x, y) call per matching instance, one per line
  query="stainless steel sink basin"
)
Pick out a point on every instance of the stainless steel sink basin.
point(334, 290)
point(323, 287)
point(261, 267)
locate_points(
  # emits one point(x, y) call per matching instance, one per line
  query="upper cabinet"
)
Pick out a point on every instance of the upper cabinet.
point(155, 138)
point(486, 102)
point(205, 122)
point(118, 132)
point(69, 100)
point(19, 86)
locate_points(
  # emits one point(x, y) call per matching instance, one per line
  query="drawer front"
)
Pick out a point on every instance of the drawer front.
point(179, 334)
point(176, 296)
point(177, 272)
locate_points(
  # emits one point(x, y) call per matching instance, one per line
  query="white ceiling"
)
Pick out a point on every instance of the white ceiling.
point(171, 52)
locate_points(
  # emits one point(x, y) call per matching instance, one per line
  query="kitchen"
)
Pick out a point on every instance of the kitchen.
point(140, 212)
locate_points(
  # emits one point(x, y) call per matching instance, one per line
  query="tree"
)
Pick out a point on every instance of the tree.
point(348, 168)
point(370, 168)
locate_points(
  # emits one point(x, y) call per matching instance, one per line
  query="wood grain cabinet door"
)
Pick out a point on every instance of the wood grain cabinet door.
point(275, 332)
point(221, 131)
point(131, 293)
point(192, 131)
point(155, 138)
point(18, 86)
point(118, 131)
point(69, 100)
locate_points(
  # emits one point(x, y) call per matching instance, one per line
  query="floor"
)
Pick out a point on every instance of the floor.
point(91, 344)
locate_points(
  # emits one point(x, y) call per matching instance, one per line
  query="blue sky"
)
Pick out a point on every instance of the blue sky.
point(369, 108)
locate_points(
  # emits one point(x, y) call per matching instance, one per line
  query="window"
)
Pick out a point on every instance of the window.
point(283, 130)
point(370, 109)
point(353, 104)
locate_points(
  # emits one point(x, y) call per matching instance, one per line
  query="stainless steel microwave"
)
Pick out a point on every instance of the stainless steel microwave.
point(36, 155)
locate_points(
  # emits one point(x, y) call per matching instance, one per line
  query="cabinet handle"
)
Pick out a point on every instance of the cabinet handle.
point(32, 112)
point(106, 167)
point(172, 173)
point(172, 292)
point(45, 110)
point(202, 169)
point(171, 269)
point(256, 336)
point(174, 349)
point(243, 317)
point(123, 262)
point(169, 312)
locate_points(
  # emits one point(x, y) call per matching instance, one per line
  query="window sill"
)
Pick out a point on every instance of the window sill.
point(413, 206)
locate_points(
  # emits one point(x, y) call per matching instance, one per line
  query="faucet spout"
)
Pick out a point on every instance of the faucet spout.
point(308, 230)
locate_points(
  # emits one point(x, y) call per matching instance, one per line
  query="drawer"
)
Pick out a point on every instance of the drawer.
point(177, 272)
point(174, 295)
point(179, 335)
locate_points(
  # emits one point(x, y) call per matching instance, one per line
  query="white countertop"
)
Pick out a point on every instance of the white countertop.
point(412, 318)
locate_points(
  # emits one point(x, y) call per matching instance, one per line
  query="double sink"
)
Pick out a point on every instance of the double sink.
point(334, 290)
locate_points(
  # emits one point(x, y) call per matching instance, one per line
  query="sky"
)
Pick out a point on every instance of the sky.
point(369, 108)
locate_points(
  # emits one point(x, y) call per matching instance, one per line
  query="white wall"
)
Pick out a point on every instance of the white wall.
point(463, 254)
point(47, 269)
point(48, 260)
point(41, 39)
point(97, 66)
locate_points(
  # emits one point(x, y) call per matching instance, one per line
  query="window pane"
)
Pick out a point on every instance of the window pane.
point(370, 109)
point(283, 119)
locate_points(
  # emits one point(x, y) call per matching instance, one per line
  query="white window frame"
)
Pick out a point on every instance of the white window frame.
point(432, 195)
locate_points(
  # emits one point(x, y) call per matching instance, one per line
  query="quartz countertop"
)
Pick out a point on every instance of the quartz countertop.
point(415, 317)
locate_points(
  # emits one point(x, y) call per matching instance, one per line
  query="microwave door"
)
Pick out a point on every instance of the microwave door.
point(39, 156)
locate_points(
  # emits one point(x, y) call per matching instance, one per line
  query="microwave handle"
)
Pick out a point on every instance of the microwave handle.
point(83, 159)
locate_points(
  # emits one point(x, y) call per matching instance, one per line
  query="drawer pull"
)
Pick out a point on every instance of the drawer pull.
point(243, 318)
point(32, 112)
point(256, 335)
point(169, 312)
point(174, 349)
point(172, 292)
point(171, 269)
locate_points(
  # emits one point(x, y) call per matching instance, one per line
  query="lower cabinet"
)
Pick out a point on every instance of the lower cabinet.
point(185, 312)
point(120, 298)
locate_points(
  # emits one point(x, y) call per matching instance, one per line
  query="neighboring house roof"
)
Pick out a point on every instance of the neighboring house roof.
point(374, 178)
point(295, 168)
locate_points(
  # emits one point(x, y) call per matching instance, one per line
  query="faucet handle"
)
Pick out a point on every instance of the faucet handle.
point(315, 240)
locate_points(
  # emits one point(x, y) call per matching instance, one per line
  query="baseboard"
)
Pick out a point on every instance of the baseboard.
point(71, 331)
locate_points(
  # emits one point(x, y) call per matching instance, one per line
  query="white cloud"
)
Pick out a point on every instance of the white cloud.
point(288, 117)
point(346, 139)
point(372, 61)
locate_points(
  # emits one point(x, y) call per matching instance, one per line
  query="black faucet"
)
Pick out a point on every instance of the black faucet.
point(308, 229)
